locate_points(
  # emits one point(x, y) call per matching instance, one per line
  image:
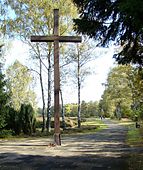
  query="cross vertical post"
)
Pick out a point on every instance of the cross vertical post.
point(56, 80)
point(56, 38)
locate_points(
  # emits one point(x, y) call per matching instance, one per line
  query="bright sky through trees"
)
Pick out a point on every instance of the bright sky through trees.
point(93, 87)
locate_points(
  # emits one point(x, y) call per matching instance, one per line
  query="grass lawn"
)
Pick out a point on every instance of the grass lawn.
point(135, 136)
point(135, 139)
point(89, 125)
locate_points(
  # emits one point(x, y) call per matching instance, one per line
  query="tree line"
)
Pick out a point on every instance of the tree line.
point(88, 109)
point(123, 95)
point(122, 98)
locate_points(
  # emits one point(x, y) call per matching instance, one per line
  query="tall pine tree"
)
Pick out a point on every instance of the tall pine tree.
point(119, 21)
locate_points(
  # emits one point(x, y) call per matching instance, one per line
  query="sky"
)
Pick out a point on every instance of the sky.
point(92, 89)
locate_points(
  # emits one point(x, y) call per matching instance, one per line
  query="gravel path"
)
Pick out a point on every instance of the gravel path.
point(100, 151)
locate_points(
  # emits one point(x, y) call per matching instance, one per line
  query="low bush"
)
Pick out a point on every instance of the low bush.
point(39, 124)
point(6, 133)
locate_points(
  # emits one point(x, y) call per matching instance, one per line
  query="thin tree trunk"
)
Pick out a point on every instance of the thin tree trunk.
point(43, 99)
point(62, 110)
point(48, 124)
point(79, 105)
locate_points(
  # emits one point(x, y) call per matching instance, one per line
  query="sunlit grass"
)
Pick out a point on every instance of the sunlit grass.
point(124, 121)
point(90, 125)
point(135, 139)
point(94, 122)
point(135, 136)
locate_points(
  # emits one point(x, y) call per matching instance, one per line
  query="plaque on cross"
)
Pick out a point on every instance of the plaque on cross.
point(56, 38)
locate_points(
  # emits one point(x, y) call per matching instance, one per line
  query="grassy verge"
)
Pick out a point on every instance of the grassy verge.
point(135, 136)
point(91, 125)
point(123, 121)
point(135, 139)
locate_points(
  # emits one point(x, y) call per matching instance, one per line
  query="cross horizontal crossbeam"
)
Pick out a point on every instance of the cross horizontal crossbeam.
point(56, 37)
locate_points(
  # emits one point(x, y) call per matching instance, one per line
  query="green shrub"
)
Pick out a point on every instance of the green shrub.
point(27, 119)
point(39, 124)
point(6, 133)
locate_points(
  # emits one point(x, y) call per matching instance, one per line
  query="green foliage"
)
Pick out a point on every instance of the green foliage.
point(89, 109)
point(68, 109)
point(3, 14)
point(22, 120)
point(6, 133)
point(2, 121)
point(118, 91)
point(27, 120)
point(119, 21)
point(71, 110)
point(18, 84)
point(36, 17)
point(3, 93)
point(39, 124)
point(134, 136)
point(123, 94)
point(3, 100)
point(12, 120)
point(135, 139)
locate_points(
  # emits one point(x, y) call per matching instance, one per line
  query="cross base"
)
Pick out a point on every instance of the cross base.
point(57, 138)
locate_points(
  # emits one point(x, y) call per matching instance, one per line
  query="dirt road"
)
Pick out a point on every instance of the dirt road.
point(100, 151)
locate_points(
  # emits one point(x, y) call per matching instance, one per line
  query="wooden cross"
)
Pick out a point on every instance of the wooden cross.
point(56, 39)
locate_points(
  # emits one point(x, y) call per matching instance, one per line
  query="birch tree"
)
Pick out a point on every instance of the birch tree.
point(18, 85)
point(80, 58)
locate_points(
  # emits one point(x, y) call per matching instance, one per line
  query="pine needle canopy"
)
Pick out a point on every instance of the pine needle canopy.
point(120, 21)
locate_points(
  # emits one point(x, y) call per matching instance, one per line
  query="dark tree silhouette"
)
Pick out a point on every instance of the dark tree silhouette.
point(114, 20)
